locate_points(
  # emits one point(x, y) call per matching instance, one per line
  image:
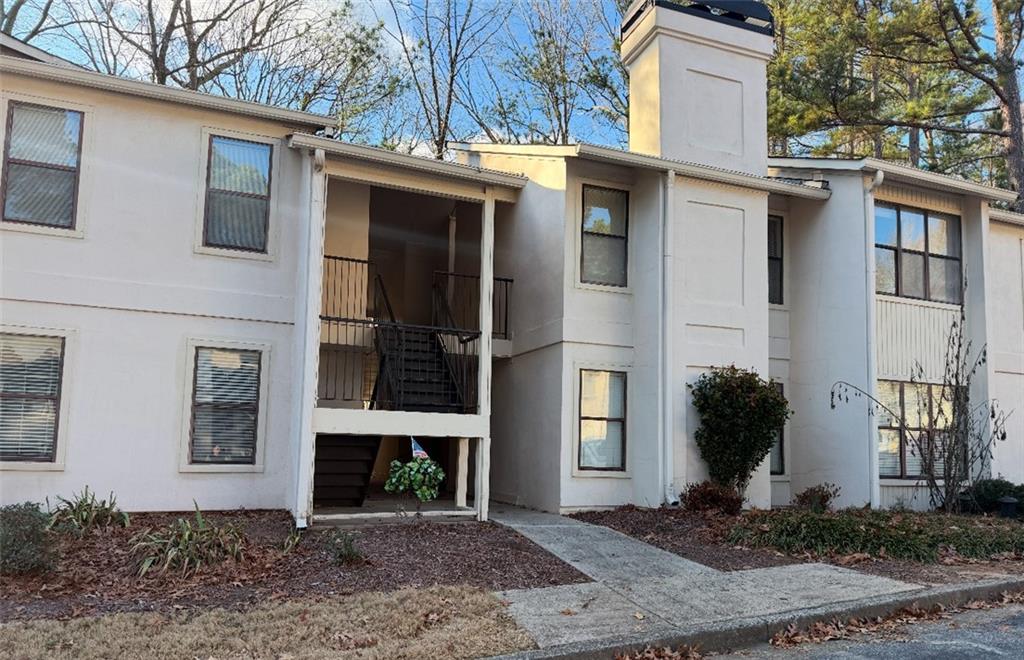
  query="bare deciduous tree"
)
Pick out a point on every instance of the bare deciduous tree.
point(440, 41)
point(25, 19)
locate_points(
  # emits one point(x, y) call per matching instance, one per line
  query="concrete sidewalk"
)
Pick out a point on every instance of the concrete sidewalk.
point(644, 592)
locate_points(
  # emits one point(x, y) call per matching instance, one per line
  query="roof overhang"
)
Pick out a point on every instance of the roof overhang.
point(101, 81)
point(896, 172)
point(28, 51)
point(409, 163)
point(596, 153)
point(1009, 217)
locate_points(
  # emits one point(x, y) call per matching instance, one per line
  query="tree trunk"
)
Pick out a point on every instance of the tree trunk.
point(914, 135)
point(1006, 67)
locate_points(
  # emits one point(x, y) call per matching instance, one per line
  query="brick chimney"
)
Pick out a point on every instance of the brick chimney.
point(698, 80)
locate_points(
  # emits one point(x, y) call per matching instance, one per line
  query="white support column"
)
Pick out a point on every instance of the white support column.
point(461, 471)
point(307, 335)
point(483, 478)
point(483, 449)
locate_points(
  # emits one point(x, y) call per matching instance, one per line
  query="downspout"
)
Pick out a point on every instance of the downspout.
point(874, 484)
point(667, 400)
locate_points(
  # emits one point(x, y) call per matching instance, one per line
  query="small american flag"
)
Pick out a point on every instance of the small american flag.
point(417, 451)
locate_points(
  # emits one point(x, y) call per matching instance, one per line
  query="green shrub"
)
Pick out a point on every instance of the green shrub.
point(740, 414)
point(26, 544)
point(914, 536)
point(83, 512)
point(987, 492)
point(421, 476)
point(818, 498)
point(342, 546)
point(186, 545)
point(709, 496)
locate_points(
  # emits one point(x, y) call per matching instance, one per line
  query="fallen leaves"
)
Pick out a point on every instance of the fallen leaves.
point(662, 653)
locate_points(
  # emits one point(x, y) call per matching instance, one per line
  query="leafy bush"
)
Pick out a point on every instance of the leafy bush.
point(818, 498)
point(421, 476)
point(709, 496)
point(740, 413)
point(342, 546)
point(83, 512)
point(186, 545)
point(919, 537)
point(26, 545)
point(986, 493)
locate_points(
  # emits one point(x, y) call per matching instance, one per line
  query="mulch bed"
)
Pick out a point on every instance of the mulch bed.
point(97, 572)
point(702, 538)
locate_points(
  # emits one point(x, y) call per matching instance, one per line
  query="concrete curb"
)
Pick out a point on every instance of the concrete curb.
point(739, 633)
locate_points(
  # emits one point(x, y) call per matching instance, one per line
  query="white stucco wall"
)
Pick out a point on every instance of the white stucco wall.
point(1007, 350)
point(133, 287)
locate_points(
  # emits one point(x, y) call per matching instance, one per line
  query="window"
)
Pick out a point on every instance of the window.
point(774, 260)
point(926, 412)
point(41, 165)
point(602, 420)
point(225, 406)
point(237, 211)
point(604, 244)
point(30, 389)
point(917, 254)
point(777, 457)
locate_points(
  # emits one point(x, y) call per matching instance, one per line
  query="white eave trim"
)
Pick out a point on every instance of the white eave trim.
point(84, 78)
point(898, 172)
point(407, 161)
point(1009, 217)
point(598, 153)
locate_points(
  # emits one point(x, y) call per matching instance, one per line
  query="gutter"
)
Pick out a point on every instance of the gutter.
point(874, 480)
point(667, 291)
point(116, 84)
point(407, 161)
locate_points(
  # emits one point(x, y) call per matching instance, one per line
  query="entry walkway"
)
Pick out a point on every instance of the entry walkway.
point(640, 589)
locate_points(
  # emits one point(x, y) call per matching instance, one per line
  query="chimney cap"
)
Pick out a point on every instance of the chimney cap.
point(744, 14)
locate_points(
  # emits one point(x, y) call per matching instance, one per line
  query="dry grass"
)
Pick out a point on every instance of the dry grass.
point(440, 622)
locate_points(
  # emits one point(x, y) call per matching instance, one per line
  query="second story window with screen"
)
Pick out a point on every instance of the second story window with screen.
point(41, 165)
point(775, 260)
point(603, 249)
point(917, 254)
point(237, 212)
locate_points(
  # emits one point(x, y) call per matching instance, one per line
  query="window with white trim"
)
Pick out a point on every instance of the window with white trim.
point(225, 406)
point(236, 215)
point(604, 244)
point(31, 369)
point(42, 157)
point(602, 420)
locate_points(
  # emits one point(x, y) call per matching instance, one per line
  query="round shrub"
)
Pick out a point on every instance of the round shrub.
point(709, 496)
point(26, 544)
point(740, 413)
point(987, 492)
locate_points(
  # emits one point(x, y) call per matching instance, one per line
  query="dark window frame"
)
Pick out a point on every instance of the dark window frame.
point(929, 430)
point(782, 278)
point(624, 237)
point(57, 399)
point(782, 440)
point(898, 250)
point(255, 407)
point(7, 161)
point(583, 418)
point(209, 189)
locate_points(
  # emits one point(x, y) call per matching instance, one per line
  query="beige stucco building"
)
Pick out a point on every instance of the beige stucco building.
point(211, 300)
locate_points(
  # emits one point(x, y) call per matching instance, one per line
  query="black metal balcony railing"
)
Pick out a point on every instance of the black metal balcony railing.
point(368, 358)
point(461, 294)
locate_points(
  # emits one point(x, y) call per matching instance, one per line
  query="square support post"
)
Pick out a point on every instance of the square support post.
point(483, 445)
point(461, 472)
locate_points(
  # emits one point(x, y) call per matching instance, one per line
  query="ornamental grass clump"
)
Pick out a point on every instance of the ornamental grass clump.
point(84, 512)
point(740, 415)
point(26, 543)
point(921, 537)
point(187, 545)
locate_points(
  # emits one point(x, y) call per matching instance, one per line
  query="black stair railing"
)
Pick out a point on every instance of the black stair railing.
point(460, 294)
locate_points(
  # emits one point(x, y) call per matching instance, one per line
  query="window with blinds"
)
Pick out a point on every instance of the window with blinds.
point(237, 211)
point(30, 387)
point(602, 420)
point(41, 165)
point(913, 423)
point(775, 260)
point(225, 406)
